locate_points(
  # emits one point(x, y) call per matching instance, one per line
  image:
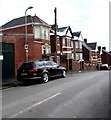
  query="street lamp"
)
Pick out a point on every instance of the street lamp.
point(26, 41)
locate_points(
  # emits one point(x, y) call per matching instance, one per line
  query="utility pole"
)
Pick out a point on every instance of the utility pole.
point(55, 35)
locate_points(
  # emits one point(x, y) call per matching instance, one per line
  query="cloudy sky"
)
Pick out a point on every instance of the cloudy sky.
point(89, 16)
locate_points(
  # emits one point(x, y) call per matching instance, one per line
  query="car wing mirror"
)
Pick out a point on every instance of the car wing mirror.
point(58, 66)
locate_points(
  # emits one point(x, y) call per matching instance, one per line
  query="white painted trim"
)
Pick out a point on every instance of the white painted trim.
point(64, 52)
point(1, 57)
point(24, 25)
point(66, 47)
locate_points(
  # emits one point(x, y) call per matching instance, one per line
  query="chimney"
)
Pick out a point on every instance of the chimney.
point(103, 48)
point(85, 40)
point(99, 49)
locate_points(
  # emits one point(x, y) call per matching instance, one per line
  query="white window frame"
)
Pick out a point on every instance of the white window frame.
point(63, 42)
point(80, 44)
point(37, 33)
point(76, 44)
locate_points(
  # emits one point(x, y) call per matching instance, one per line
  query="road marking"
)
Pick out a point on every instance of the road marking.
point(34, 105)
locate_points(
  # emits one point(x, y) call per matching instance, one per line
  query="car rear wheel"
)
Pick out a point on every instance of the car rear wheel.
point(45, 77)
point(63, 73)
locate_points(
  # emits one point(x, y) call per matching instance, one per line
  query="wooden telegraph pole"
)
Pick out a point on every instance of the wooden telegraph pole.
point(55, 35)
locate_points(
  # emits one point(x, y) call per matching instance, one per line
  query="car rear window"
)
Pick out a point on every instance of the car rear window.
point(29, 65)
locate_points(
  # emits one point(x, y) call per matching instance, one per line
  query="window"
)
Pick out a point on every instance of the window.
point(40, 64)
point(76, 44)
point(68, 43)
point(80, 44)
point(44, 33)
point(77, 56)
point(48, 64)
point(54, 64)
point(72, 44)
point(37, 32)
point(41, 32)
point(80, 56)
point(64, 42)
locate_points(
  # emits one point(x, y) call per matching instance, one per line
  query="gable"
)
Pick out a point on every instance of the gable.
point(64, 31)
point(68, 34)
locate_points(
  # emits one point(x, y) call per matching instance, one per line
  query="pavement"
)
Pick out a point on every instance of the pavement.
point(12, 82)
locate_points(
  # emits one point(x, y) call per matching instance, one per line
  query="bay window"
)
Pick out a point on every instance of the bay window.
point(76, 44)
point(42, 32)
point(37, 32)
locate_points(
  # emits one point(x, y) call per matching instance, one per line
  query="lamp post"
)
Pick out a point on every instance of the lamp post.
point(26, 41)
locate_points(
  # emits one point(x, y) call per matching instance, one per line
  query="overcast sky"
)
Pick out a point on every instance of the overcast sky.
point(89, 16)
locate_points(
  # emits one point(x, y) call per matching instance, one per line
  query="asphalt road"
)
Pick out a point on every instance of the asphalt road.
point(80, 95)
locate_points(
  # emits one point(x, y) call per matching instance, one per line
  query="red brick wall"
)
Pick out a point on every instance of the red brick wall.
point(20, 30)
point(106, 58)
point(35, 50)
point(52, 42)
point(75, 65)
point(86, 55)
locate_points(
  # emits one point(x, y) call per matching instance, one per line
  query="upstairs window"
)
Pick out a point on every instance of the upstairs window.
point(68, 43)
point(72, 44)
point(64, 42)
point(80, 44)
point(42, 32)
point(76, 44)
point(37, 32)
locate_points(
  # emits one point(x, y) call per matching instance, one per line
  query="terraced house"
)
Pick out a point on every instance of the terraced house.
point(14, 48)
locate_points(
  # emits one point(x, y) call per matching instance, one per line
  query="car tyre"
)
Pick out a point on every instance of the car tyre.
point(45, 77)
point(63, 73)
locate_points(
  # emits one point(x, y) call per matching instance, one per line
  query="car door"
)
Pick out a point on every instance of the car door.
point(56, 69)
point(49, 68)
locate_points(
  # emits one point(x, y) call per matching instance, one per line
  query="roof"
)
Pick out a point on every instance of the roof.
point(86, 46)
point(63, 31)
point(76, 34)
point(106, 52)
point(21, 21)
point(93, 46)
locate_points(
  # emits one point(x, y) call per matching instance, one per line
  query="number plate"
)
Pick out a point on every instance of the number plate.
point(23, 74)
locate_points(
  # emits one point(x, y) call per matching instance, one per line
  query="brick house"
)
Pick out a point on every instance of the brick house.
point(106, 56)
point(64, 46)
point(78, 62)
point(91, 55)
point(13, 36)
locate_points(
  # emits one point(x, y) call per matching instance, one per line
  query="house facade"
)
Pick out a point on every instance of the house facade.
point(91, 55)
point(13, 41)
point(106, 57)
point(78, 62)
point(64, 46)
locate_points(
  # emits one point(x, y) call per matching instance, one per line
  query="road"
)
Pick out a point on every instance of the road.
point(79, 95)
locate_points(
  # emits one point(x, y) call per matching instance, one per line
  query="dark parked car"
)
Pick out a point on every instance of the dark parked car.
point(43, 70)
point(104, 67)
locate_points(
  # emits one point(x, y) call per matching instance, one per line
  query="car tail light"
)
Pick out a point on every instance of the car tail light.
point(33, 70)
